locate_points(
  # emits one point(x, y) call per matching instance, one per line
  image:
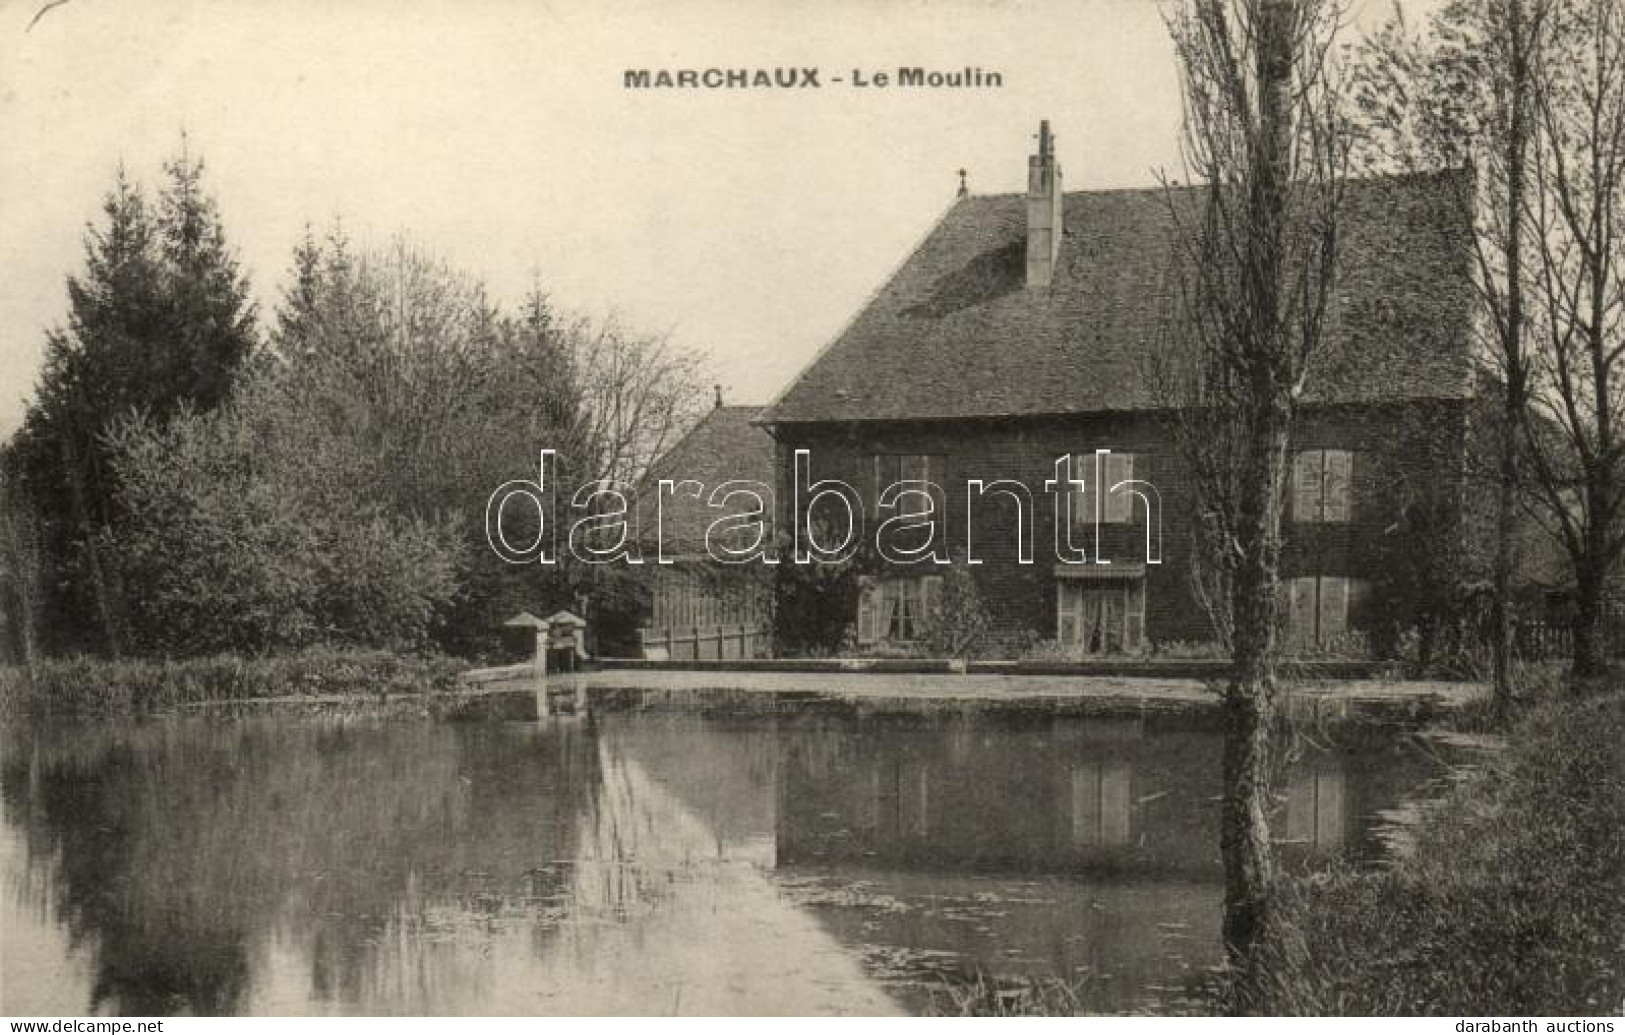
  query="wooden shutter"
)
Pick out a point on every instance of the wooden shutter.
point(1334, 607)
point(1067, 628)
point(930, 596)
point(888, 472)
point(868, 610)
point(1306, 469)
point(1083, 502)
point(1119, 504)
point(1339, 485)
point(1134, 625)
point(1301, 621)
point(1359, 596)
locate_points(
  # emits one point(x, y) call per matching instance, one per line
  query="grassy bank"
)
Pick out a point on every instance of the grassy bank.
point(84, 686)
point(1513, 901)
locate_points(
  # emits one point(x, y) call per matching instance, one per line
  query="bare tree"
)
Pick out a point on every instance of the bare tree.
point(1576, 425)
point(1461, 94)
point(639, 394)
point(1255, 265)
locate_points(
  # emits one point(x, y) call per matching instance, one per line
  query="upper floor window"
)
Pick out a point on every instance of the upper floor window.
point(891, 468)
point(1118, 507)
point(1322, 484)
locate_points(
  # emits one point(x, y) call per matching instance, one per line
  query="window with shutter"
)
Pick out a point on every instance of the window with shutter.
point(1336, 504)
point(1323, 485)
point(1116, 507)
point(892, 468)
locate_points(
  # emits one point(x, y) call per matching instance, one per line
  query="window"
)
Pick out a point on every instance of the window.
point(1322, 481)
point(1317, 608)
point(1100, 615)
point(1101, 803)
point(891, 468)
point(1118, 508)
point(894, 610)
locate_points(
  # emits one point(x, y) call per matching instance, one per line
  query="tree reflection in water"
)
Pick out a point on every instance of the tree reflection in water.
point(627, 863)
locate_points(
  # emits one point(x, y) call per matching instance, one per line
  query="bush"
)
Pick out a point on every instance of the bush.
point(815, 605)
point(86, 686)
point(1190, 650)
point(244, 530)
point(958, 624)
point(1509, 904)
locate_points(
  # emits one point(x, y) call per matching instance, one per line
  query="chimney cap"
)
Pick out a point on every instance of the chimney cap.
point(1046, 140)
point(718, 389)
point(963, 189)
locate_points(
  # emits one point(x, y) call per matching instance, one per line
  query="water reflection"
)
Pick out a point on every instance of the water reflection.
point(626, 863)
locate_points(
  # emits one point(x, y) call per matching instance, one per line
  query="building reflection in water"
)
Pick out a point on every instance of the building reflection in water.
point(646, 862)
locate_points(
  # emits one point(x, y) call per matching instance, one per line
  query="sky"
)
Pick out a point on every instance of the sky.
point(747, 224)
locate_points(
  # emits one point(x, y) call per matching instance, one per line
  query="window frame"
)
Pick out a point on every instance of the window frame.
point(1118, 508)
point(1332, 492)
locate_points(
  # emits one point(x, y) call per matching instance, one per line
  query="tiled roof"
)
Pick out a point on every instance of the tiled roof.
point(956, 333)
point(726, 445)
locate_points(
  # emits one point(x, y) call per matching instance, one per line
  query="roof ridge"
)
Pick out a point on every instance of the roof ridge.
point(1417, 175)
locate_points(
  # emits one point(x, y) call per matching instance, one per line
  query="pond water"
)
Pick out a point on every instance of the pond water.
point(638, 861)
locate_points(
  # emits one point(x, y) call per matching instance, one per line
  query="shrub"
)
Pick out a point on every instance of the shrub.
point(1509, 904)
point(243, 530)
point(959, 621)
point(86, 686)
point(1190, 650)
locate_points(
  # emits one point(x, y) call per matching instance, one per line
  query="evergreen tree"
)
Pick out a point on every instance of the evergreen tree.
point(159, 320)
point(210, 314)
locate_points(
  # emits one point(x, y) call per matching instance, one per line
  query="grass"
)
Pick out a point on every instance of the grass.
point(981, 995)
point(88, 686)
point(1512, 903)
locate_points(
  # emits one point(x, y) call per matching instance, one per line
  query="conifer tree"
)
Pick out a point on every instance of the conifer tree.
point(160, 319)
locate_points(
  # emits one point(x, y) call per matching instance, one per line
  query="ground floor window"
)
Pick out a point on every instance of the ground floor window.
point(894, 610)
point(1101, 615)
point(1318, 607)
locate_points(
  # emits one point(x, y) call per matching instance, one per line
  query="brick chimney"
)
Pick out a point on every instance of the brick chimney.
point(1043, 211)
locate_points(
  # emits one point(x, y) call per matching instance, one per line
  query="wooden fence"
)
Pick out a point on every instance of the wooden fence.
point(702, 643)
point(1538, 639)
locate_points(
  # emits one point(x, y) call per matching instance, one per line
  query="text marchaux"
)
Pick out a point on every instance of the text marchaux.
point(787, 77)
